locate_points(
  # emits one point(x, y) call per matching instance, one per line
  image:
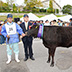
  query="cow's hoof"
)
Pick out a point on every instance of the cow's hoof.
point(52, 65)
point(48, 61)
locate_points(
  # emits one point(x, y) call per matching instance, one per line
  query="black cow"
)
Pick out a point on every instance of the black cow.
point(53, 36)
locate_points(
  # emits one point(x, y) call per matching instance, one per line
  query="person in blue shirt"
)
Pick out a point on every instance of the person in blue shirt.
point(10, 30)
point(59, 22)
point(70, 22)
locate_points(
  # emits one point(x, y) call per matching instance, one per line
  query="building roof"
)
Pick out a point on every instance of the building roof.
point(54, 2)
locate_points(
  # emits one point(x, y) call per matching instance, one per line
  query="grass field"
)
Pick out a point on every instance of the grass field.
point(15, 16)
point(5, 17)
point(60, 15)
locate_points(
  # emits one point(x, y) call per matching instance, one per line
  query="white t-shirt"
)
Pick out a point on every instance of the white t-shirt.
point(47, 24)
point(26, 25)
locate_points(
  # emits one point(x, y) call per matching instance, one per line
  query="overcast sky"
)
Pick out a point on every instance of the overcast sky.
point(60, 2)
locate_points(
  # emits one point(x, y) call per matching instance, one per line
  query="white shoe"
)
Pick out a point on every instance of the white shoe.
point(9, 59)
point(16, 58)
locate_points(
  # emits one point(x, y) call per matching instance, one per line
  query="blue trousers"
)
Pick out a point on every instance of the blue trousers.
point(13, 47)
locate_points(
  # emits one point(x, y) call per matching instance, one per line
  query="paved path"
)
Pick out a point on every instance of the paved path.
point(63, 60)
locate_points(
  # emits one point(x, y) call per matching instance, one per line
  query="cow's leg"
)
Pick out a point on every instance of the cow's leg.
point(49, 56)
point(52, 54)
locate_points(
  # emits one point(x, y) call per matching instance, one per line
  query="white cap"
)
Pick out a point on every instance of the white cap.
point(18, 22)
point(2, 22)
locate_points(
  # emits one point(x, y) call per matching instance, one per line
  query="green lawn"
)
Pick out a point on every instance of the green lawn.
point(5, 17)
point(60, 15)
point(39, 16)
point(2, 18)
point(15, 16)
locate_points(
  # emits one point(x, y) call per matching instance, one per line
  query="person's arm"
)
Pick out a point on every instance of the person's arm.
point(21, 25)
point(19, 30)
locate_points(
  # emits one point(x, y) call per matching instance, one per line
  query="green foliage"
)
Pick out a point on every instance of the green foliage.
point(67, 9)
point(10, 1)
point(4, 7)
point(51, 10)
point(35, 10)
point(14, 8)
point(30, 5)
point(42, 10)
point(60, 15)
point(57, 10)
point(25, 1)
point(51, 4)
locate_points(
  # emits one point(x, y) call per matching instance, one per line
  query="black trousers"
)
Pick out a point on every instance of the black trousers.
point(28, 48)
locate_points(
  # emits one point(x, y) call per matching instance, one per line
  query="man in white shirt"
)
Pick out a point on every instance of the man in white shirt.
point(27, 41)
point(47, 23)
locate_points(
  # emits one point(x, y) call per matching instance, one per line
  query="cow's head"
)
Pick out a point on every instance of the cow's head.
point(33, 31)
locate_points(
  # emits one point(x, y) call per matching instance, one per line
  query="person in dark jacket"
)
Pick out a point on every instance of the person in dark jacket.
point(27, 41)
point(2, 39)
point(70, 22)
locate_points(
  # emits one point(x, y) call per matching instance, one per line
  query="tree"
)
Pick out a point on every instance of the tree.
point(7, 2)
point(67, 9)
point(1, 3)
point(25, 1)
point(14, 8)
point(51, 4)
point(30, 4)
point(51, 10)
point(10, 1)
point(4, 7)
point(57, 10)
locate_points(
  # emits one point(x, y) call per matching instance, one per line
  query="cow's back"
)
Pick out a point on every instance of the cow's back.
point(57, 36)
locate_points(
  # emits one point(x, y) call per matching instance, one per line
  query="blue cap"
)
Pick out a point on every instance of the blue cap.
point(59, 19)
point(30, 20)
point(9, 15)
point(25, 15)
point(70, 18)
point(46, 20)
point(5, 21)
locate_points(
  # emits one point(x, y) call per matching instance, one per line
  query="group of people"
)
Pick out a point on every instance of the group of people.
point(46, 23)
point(11, 31)
point(53, 22)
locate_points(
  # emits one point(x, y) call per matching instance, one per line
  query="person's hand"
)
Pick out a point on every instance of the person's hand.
point(8, 36)
point(23, 35)
point(20, 37)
